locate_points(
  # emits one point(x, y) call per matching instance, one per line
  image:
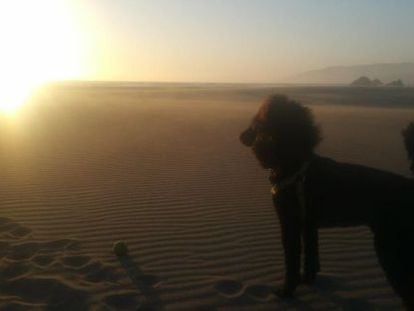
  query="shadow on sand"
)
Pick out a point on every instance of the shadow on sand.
point(145, 283)
point(327, 293)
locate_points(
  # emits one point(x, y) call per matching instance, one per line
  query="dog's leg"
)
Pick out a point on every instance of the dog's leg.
point(288, 210)
point(310, 236)
point(396, 258)
point(311, 250)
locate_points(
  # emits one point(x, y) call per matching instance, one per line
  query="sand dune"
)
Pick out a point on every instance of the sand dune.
point(84, 168)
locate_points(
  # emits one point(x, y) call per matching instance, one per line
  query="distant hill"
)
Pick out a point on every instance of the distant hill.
point(396, 83)
point(377, 82)
point(365, 81)
point(346, 74)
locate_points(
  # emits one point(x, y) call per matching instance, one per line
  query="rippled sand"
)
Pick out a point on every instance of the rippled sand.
point(163, 170)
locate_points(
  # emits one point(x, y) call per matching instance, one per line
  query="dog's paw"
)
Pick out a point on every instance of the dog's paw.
point(289, 287)
point(283, 293)
point(309, 278)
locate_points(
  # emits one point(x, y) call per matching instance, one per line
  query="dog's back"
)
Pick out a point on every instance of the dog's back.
point(342, 194)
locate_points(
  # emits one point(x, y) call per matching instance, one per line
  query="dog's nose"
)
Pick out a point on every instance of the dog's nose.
point(248, 137)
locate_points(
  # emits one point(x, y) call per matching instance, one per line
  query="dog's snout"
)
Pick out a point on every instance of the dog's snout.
point(248, 137)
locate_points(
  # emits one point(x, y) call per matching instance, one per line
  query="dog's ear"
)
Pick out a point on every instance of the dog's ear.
point(248, 137)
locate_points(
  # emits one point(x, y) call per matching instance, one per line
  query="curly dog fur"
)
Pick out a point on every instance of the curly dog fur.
point(311, 192)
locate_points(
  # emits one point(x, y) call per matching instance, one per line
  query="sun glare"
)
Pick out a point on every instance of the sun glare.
point(38, 43)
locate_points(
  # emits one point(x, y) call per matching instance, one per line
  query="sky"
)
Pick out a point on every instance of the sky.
point(260, 41)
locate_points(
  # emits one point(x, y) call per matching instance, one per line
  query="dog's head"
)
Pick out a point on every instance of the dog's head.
point(282, 133)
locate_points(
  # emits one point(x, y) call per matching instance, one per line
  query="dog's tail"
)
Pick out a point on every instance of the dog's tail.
point(408, 134)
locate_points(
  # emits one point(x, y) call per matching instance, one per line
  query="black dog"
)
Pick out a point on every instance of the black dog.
point(310, 192)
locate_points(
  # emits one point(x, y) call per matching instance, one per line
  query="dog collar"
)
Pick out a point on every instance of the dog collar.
point(299, 175)
point(297, 180)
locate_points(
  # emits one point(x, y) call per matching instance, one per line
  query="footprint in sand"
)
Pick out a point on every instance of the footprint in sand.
point(96, 272)
point(11, 229)
point(234, 289)
point(75, 261)
point(22, 251)
point(60, 245)
point(56, 275)
point(10, 271)
point(57, 294)
point(3, 223)
point(20, 231)
point(125, 300)
point(27, 250)
point(229, 288)
point(42, 260)
point(4, 248)
point(260, 292)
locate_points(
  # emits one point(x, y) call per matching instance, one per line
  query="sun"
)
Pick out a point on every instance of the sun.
point(39, 42)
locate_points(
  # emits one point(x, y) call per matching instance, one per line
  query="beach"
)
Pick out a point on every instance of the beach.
point(162, 168)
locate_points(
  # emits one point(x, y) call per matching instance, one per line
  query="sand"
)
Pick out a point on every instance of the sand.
point(162, 170)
